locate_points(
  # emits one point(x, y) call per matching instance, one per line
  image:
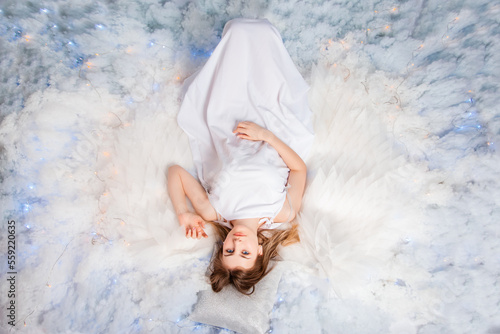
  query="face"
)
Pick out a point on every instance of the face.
point(240, 249)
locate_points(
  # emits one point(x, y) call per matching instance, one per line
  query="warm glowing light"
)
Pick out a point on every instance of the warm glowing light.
point(178, 77)
point(122, 223)
point(27, 37)
point(105, 194)
point(330, 42)
point(49, 285)
point(386, 27)
point(89, 64)
point(368, 29)
point(106, 154)
point(394, 9)
point(97, 54)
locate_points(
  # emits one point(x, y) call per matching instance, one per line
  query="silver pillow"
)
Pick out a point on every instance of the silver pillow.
point(235, 311)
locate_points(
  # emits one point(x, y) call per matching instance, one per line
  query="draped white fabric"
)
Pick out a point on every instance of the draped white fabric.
point(249, 77)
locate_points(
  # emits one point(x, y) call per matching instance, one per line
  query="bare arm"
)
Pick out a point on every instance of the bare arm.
point(181, 184)
point(298, 169)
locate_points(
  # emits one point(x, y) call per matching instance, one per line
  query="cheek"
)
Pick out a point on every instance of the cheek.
point(252, 247)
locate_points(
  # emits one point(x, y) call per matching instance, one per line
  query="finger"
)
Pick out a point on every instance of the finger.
point(242, 125)
point(244, 136)
point(188, 232)
point(239, 129)
point(202, 232)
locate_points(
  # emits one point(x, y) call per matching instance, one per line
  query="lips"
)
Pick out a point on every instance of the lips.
point(239, 234)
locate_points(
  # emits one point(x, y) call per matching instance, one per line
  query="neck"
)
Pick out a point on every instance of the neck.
point(251, 223)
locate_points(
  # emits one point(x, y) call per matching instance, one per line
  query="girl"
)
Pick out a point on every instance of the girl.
point(246, 115)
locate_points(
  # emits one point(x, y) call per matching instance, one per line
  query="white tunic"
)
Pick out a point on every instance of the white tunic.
point(249, 77)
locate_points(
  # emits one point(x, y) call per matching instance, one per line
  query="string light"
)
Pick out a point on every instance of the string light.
point(26, 207)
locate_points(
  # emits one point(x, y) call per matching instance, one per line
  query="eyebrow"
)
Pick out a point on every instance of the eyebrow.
point(231, 254)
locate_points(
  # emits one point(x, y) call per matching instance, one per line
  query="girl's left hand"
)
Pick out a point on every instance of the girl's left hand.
point(251, 131)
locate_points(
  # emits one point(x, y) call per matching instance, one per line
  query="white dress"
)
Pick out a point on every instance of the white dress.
point(249, 77)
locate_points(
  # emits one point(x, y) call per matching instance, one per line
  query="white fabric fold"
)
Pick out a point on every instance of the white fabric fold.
point(249, 77)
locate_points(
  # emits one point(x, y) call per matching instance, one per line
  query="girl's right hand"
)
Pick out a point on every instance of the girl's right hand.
point(193, 224)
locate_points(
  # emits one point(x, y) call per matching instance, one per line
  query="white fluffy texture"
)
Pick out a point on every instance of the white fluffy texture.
point(399, 223)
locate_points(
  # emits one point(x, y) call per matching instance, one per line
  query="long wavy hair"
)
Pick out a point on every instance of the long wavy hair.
point(245, 280)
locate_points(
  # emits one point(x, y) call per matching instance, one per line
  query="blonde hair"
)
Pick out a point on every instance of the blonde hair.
point(245, 280)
